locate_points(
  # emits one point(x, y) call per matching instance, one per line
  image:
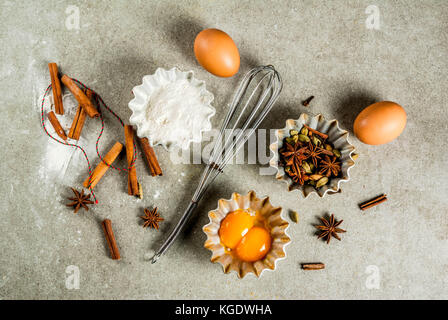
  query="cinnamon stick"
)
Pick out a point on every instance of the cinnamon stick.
point(110, 238)
point(133, 185)
point(374, 202)
point(102, 167)
point(80, 96)
point(150, 157)
point(323, 135)
point(80, 118)
point(56, 87)
point(56, 125)
point(313, 266)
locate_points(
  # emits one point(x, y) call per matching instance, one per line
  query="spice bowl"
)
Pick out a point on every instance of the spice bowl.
point(336, 136)
point(274, 224)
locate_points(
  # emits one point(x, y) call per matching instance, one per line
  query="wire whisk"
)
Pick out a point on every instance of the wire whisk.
point(253, 100)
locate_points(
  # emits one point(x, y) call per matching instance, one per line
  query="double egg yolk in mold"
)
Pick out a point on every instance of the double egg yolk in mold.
point(245, 235)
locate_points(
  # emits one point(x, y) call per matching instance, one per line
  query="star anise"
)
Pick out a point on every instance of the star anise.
point(80, 200)
point(151, 218)
point(314, 153)
point(297, 174)
point(330, 228)
point(294, 154)
point(330, 166)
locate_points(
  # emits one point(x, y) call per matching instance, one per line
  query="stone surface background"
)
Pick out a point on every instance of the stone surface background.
point(320, 48)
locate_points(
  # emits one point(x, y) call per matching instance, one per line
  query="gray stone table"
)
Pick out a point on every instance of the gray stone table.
point(330, 49)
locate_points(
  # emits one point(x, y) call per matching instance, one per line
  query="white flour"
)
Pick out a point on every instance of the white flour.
point(175, 112)
point(57, 157)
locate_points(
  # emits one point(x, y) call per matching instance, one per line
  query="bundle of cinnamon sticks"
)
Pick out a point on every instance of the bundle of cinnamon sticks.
point(86, 107)
point(86, 100)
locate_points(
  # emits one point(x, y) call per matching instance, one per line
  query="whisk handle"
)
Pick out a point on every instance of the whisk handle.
point(173, 235)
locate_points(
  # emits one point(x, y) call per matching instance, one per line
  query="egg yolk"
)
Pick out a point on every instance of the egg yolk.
point(234, 227)
point(254, 245)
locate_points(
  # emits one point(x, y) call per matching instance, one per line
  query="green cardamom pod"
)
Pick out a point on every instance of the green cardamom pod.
point(306, 166)
point(290, 140)
point(304, 131)
point(303, 138)
point(322, 181)
point(294, 216)
point(337, 153)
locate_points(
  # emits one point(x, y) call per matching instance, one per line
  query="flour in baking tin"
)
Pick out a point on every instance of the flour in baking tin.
point(175, 112)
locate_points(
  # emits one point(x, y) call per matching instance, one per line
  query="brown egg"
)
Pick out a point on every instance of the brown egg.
point(217, 53)
point(380, 123)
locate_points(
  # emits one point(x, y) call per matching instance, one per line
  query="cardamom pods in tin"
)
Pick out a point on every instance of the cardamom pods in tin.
point(355, 156)
point(303, 138)
point(292, 140)
point(304, 131)
point(306, 166)
point(316, 141)
point(322, 181)
point(308, 141)
point(337, 153)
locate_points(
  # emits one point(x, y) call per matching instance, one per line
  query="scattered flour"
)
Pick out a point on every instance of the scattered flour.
point(38, 219)
point(57, 157)
point(76, 240)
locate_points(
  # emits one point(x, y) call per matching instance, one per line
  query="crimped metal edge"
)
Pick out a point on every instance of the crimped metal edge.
point(279, 226)
point(336, 135)
point(143, 91)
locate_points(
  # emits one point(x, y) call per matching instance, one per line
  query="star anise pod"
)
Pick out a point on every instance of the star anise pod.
point(151, 218)
point(297, 174)
point(294, 154)
point(314, 153)
point(80, 200)
point(330, 228)
point(330, 166)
